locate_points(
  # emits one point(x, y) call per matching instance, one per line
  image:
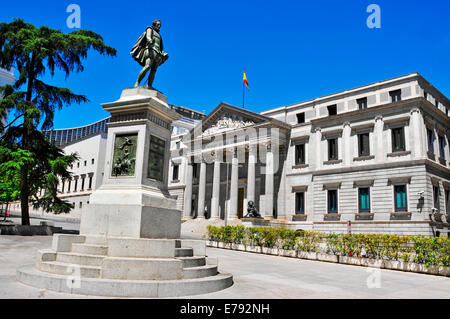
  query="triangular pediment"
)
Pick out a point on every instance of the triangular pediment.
point(227, 117)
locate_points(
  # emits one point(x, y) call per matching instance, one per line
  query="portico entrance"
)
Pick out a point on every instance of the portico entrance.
point(233, 150)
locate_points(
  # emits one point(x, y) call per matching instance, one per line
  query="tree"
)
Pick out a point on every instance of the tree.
point(33, 51)
point(10, 164)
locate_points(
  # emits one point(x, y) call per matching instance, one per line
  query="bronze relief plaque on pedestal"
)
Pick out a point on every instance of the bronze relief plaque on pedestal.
point(156, 158)
point(124, 158)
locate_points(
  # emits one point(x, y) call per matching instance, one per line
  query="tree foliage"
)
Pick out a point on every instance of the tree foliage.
point(10, 164)
point(33, 52)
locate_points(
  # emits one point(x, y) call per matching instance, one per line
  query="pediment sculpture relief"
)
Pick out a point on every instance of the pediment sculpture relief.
point(227, 123)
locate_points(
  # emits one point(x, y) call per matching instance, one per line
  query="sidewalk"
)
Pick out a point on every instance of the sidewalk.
point(69, 218)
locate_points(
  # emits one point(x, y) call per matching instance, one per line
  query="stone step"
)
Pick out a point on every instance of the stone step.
point(95, 240)
point(56, 267)
point(194, 261)
point(29, 275)
point(90, 249)
point(184, 252)
point(79, 259)
point(199, 272)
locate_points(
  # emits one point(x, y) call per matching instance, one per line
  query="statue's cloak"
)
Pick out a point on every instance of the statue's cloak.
point(137, 52)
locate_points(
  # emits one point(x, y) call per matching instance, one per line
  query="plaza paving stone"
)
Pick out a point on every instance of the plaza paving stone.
point(255, 276)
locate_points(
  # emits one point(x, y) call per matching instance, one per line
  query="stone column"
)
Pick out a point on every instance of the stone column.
point(415, 130)
point(318, 138)
point(379, 145)
point(251, 175)
point(346, 136)
point(202, 190)
point(215, 190)
point(233, 203)
point(188, 190)
point(268, 212)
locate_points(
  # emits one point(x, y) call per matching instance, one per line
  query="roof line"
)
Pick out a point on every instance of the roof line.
point(413, 74)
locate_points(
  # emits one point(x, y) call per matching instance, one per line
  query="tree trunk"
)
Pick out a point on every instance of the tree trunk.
point(24, 193)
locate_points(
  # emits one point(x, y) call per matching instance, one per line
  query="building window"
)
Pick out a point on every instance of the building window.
point(299, 203)
point(436, 203)
point(425, 95)
point(441, 146)
point(299, 154)
point(430, 140)
point(68, 186)
point(176, 169)
point(62, 187)
point(78, 164)
point(178, 145)
point(82, 183)
point(332, 110)
point(156, 158)
point(332, 149)
point(90, 181)
point(76, 185)
point(363, 144)
point(81, 204)
point(364, 200)
point(400, 198)
point(398, 139)
point(85, 163)
point(332, 201)
point(362, 103)
point(92, 161)
point(300, 118)
point(396, 95)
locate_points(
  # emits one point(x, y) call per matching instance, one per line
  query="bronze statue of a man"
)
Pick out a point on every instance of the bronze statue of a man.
point(148, 52)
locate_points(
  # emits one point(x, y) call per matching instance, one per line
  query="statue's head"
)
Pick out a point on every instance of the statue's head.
point(156, 25)
point(250, 203)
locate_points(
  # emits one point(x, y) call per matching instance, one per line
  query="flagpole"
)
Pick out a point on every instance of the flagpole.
point(243, 94)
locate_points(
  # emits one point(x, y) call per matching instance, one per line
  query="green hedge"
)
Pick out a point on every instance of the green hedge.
point(420, 249)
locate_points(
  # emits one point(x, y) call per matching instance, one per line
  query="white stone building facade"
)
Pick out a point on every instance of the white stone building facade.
point(377, 156)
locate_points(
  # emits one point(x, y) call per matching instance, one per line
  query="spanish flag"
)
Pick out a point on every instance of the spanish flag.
point(245, 80)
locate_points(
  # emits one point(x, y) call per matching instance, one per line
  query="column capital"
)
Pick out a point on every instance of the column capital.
point(346, 123)
point(317, 130)
point(379, 117)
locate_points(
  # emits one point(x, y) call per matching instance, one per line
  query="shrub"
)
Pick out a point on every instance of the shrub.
point(420, 249)
point(431, 251)
point(286, 238)
point(308, 241)
point(213, 233)
point(238, 234)
point(335, 244)
point(226, 234)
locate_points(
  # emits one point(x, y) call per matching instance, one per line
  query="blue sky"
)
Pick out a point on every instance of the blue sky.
point(291, 50)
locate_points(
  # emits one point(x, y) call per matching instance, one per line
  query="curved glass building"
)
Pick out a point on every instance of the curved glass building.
point(66, 136)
